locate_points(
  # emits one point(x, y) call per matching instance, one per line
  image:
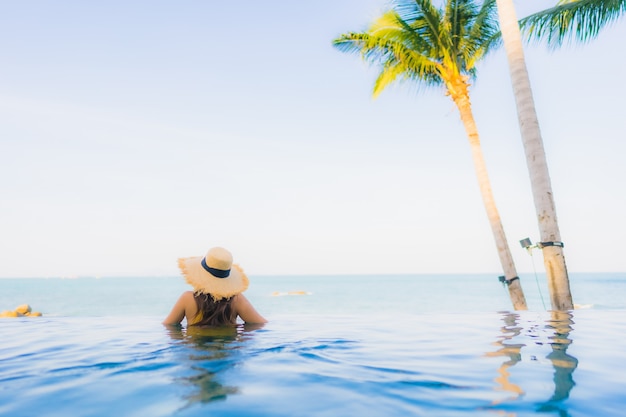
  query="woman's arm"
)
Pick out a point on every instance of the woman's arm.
point(246, 311)
point(184, 307)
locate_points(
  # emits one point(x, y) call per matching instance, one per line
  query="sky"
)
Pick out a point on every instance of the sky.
point(133, 133)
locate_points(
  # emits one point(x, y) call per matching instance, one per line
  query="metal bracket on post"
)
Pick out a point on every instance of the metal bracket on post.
point(542, 245)
point(528, 244)
point(505, 281)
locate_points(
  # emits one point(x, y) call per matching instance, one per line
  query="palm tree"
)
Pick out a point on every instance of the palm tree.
point(582, 19)
point(440, 47)
point(552, 247)
point(572, 19)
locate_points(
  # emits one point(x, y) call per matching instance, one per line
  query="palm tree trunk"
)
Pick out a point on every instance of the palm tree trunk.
point(506, 260)
point(554, 261)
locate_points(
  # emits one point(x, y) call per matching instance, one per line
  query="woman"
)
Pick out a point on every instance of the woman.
point(217, 298)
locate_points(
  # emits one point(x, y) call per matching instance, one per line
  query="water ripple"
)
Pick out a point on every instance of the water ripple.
point(442, 365)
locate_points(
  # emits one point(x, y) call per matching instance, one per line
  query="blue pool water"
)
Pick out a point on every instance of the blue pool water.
point(342, 350)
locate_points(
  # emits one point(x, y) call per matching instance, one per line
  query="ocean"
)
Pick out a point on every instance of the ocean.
point(346, 345)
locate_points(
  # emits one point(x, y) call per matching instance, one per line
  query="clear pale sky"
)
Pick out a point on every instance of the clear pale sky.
point(136, 132)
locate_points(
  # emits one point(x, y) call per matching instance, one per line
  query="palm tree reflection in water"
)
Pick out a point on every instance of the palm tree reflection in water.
point(564, 364)
point(560, 327)
point(209, 352)
point(510, 330)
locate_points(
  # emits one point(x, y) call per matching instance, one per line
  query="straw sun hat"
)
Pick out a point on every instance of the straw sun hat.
point(214, 274)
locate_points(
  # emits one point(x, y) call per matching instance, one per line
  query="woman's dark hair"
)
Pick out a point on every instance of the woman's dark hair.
point(213, 313)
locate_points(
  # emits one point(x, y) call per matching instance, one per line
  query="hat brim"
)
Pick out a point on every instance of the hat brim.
point(203, 282)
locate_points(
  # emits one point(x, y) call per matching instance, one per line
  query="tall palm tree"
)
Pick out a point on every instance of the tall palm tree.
point(582, 19)
point(552, 247)
point(572, 19)
point(440, 47)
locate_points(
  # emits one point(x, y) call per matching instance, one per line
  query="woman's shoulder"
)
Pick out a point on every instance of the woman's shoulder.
point(188, 299)
point(237, 300)
point(187, 296)
point(245, 310)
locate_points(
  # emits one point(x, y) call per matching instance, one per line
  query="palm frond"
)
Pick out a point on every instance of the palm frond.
point(391, 26)
point(458, 16)
point(415, 41)
point(385, 25)
point(484, 36)
point(371, 48)
point(416, 35)
point(572, 19)
point(387, 76)
point(391, 53)
point(424, 19)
